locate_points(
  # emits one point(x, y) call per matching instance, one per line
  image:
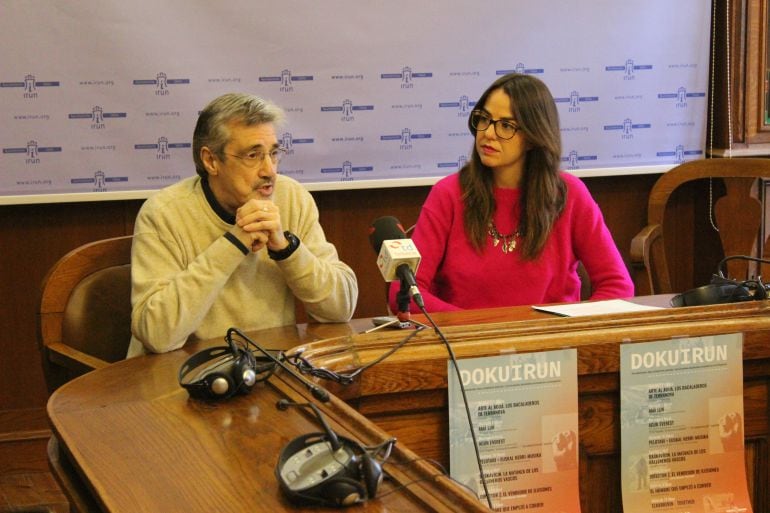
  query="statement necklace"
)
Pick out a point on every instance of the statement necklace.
point(509, 241)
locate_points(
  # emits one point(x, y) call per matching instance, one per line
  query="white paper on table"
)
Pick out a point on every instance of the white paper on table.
point(609, 306)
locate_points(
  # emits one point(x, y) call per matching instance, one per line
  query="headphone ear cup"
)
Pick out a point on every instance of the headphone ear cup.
point(343, 492)
point(220, 385)
point(243, 372)
point(371, 474)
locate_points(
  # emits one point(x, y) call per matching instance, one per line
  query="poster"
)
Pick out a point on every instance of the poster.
point(525, 416)
point(682, 426)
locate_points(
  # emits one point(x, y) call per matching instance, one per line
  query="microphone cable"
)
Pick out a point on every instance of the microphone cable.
point(452, 357)
point(263, 371)
point(722, 262)
point(245, 343)
point(306, 367)
point(317, 391)
point(759, 288)
point(442, 472)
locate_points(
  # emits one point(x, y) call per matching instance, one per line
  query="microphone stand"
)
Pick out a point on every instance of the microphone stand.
point(403, 317)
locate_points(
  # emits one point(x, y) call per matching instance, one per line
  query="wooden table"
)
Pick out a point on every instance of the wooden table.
point(138, 443)
point(127, 438)
point(406, 394)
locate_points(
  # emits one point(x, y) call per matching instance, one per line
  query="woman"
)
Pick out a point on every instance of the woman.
point(509, 228)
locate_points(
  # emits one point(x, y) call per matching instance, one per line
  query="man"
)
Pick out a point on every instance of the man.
point(234, 245)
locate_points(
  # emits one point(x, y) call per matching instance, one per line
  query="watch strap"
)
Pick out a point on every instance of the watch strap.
point(286, 252)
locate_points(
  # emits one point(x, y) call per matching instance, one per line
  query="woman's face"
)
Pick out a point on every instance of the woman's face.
point(506, 157)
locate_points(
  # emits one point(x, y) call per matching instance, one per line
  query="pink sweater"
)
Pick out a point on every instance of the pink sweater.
point(453, 276)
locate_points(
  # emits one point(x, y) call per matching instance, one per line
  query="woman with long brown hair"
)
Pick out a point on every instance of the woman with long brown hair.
point(509, 228)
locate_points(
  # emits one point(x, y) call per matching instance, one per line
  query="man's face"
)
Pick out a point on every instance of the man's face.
point(245, 170)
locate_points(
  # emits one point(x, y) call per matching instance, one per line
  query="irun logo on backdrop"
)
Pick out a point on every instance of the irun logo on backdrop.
point(681, 95)
point(629, 69)
point(521, 69)
point(162, 83)
point(97, 117)
point(32, 151)
point(573, 159)
point(286, 80)
point(100, 180)
point(626, 128)
point(347, 170)
point(679, 154)
point(407, 76)
point(288, 142)
point(347, 108)
point(461, 161)
point(30, 85)
point(405, 137)
point(463, 106)
point(163, 147)
point(575, 100)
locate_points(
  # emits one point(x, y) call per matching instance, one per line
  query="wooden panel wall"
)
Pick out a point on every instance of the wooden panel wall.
point(33, 237)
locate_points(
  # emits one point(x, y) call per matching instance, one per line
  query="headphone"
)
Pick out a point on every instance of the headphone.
point(223, 371)
point(712, 294)
point(721, 290)
point(326, 469)
point(724, 290)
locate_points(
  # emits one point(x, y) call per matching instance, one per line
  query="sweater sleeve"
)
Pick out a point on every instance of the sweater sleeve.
point(170, 297)
point(596, 249)
point(316, 276)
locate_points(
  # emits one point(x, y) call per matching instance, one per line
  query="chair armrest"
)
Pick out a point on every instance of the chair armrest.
point(70, 357)
point(641, 253)
point(641, 245)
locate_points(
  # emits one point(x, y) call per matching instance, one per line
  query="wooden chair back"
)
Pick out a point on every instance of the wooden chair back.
point(84, 317)
point(737, 215)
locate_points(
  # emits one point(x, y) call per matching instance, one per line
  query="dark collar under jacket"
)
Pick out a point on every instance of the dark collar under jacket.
point(223, 214)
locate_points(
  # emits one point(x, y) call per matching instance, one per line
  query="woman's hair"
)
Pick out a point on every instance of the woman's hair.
point(543, 193)
point(211, 129)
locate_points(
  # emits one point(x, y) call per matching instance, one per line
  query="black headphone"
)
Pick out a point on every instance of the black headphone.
point(714, 293)
point(223, 371)
point(724, 290)
point(326, 469)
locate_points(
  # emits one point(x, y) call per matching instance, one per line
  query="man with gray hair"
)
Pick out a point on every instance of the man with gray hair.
point(235, 245)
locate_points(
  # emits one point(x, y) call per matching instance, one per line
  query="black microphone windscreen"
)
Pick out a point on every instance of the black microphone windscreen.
point(385, 228)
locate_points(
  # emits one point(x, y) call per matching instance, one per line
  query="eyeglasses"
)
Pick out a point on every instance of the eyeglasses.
point(256, 157)
point(504, 128)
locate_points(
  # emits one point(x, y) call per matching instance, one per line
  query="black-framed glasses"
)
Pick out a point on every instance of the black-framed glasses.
point(504, 128)
point(256, 157)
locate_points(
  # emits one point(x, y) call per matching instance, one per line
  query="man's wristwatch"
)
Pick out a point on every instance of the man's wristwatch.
point(288, 250)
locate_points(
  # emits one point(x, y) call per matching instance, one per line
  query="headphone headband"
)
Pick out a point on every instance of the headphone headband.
point(222, 371)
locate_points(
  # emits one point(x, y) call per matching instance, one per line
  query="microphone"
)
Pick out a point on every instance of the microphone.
point(334, 441)
point(397, 256)
point(318, 392)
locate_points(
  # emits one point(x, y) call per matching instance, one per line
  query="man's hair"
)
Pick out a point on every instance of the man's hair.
point(211, 129)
